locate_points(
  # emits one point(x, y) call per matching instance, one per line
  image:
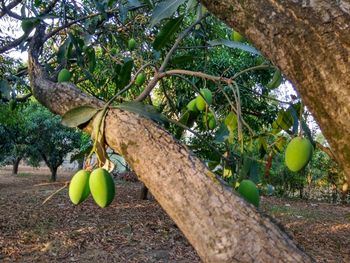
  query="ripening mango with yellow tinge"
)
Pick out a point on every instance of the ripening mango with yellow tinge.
point(298, 153)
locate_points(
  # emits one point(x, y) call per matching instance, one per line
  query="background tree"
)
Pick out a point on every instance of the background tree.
point(30, 132)
point(14, 144)
point(51, 141)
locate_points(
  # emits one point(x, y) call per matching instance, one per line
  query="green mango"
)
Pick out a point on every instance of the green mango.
point(113, 51)
point(191, 106)
point(235, 36)
point(102, 187)
point(212, 123)
point(79, 188)
point(200, 102)
point(131, 44)
point(28, 24)
point(249, 192)
point(140, 79)
point(64, 75)
point(209, 120)
point(298, 153)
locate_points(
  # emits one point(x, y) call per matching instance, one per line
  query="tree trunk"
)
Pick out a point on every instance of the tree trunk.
point(15, 166)
point(220, 225)
point(143, 192)
point(310, 42)
point(53, 174)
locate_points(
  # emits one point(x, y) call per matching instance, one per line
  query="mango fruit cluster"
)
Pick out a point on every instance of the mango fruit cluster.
point(99, 183)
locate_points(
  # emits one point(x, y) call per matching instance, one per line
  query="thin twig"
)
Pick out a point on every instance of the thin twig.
point(56, 192)
point(52, 183)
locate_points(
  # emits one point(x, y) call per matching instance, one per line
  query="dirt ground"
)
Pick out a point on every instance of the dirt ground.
point(132, 230)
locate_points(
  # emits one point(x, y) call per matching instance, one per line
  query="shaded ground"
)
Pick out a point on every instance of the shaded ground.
point(131, 230)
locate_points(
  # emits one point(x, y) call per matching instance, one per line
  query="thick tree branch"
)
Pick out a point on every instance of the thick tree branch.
point(219, 224)
point(13, 44)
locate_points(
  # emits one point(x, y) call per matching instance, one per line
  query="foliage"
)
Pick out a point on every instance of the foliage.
point(178, 49)
point(31, 132)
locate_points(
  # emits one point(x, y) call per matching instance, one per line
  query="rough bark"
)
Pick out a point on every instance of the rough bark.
point(221, 226)
point(310, 41)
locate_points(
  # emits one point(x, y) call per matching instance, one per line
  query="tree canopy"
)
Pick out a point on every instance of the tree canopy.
point(165, 55)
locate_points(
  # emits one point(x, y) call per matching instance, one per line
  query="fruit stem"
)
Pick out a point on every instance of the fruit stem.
point(301, 118)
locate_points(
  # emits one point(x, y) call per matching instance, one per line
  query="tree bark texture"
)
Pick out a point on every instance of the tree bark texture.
point(309, 41)
point(221, 226)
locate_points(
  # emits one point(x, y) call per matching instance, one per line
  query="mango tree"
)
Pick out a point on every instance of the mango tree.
point(220, 225)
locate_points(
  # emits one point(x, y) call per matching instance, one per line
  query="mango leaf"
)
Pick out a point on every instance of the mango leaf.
point(182, 60)
point(91, 58)
point(165, 34)
point(254, 171)
point(191, 5)
point(165, 9)
point(222, 134)
point(78, 116)
point(125, 72)
point(123, 13)
point(134, 4)
point(5, 89)
point(307, 132)
point(63, 50)
point(280, 143)
point(227, 173)
point(262, 146)
point(294, 109)
point(231, 121)
point(234, 44)
point(276, 80)
point(143, 110)
point(284, 120)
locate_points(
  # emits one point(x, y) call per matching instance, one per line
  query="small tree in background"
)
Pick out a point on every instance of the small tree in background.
point(31, 132)
point(14, 144)
point(50, 139)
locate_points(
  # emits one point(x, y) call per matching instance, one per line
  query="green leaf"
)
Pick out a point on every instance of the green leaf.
point(165, 9)
point(284, 120)
point(78, 116)
point(222, 134)
point(125, 72)
point(186, 59)
point(280, 143)
point(275, 81)
point(91, 59)
point(143, 110)
point(231, 121)
point(5, 89)
point(165, 34)
point(134, 4)
point(234, 44)
point(254, 172)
